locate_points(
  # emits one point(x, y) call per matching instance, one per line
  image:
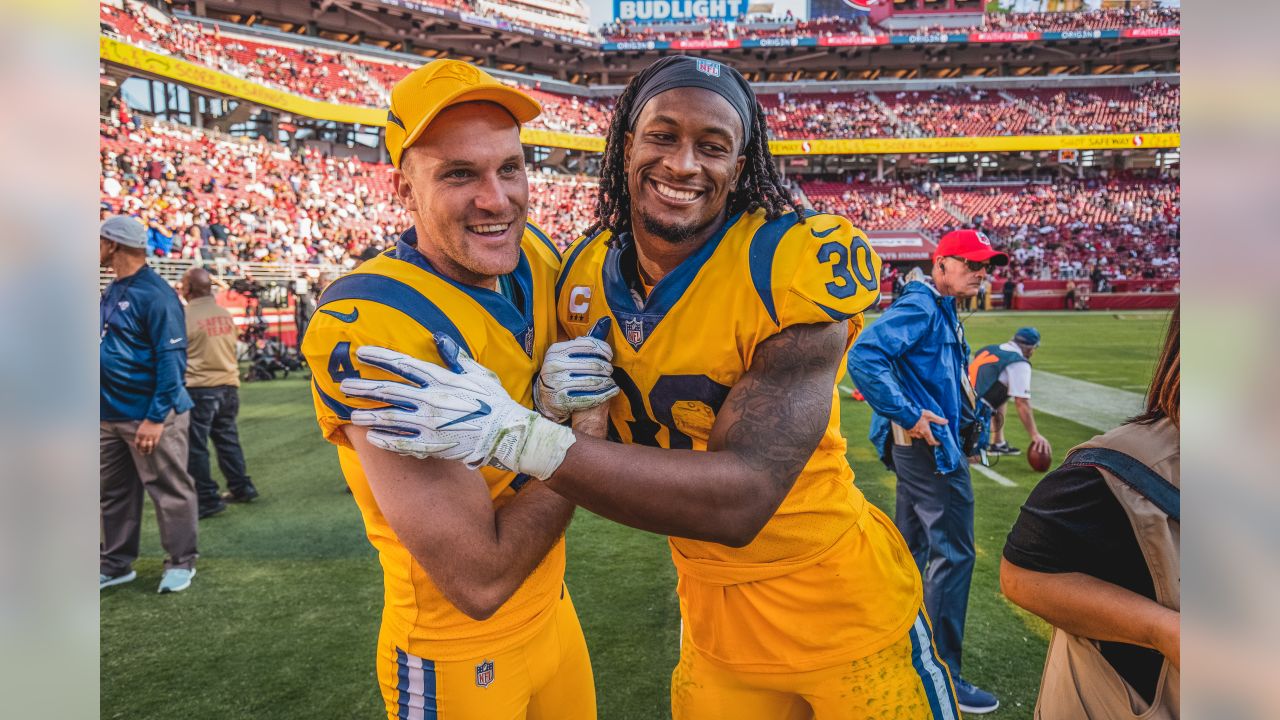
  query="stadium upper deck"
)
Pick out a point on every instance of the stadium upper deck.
point(275, 207)
point(551, 38)
point(354, 78)
point(1025, 24)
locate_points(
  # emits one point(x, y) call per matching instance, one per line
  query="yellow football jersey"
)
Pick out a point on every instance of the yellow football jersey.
point(398, 300)
point(828, 578)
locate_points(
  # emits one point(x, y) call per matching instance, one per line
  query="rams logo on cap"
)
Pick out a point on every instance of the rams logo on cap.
point(459, 71)
point(709, 67)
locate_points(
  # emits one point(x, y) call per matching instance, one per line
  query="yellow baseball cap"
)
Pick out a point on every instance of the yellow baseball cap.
point(424, 93)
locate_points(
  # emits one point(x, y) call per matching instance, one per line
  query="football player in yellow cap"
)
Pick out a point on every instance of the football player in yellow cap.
point(477, 623)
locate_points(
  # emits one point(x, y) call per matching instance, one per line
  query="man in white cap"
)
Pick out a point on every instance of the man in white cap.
point(143, 418)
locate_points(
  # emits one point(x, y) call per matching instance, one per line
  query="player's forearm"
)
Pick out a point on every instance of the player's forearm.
point(1086, 606)
point(1027, 416)
point(480, 568)
point(525, 530)
point(711, 496)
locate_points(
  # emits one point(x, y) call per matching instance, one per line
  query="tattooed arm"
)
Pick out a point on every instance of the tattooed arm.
point(765, 432)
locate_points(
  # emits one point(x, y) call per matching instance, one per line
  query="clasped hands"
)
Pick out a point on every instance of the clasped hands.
point(462, 412)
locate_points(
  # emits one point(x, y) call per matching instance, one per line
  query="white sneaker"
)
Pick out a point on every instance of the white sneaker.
point(106, 581)
point(176, 580)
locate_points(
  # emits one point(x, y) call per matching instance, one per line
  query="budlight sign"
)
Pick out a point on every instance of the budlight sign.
point(677, 10)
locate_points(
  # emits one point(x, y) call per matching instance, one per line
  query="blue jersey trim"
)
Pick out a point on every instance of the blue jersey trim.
point(397, 295)
point(339, 408)
point(573, 257)
point(638, 323)
point(764, 246)
point(518, 323)
point(836, 315)
point(545, 240)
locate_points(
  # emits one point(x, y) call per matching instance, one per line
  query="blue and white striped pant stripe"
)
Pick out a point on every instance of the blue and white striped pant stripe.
point(933, 674)
point(416, 686)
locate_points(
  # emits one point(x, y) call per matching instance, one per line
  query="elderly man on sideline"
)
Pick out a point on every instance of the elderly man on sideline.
point(911, 366)
point(143, 412)
point(1000, 372)
point(213, 381)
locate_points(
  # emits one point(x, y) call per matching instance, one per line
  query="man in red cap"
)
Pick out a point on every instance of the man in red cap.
point(911, 365)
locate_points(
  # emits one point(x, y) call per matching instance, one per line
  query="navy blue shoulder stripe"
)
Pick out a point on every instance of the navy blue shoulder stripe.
point(835, 314)
point(340, 409)
point(764, 245)
point(545, 240)
point(568, 263)
point(397, 295)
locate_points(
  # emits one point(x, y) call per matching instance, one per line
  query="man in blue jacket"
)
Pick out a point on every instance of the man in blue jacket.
point(911, 366)
point(143, 412)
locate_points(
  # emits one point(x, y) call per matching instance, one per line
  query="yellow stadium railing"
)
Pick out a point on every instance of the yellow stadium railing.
point(188, 73)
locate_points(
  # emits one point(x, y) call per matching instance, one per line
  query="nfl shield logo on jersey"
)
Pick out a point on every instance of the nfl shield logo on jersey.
point(484, 674)
point(633, 328)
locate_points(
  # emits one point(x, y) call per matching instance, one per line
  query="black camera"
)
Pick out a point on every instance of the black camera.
point(246, 286)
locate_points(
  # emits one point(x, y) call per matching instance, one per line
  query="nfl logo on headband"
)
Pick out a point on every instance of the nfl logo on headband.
point(709, 67)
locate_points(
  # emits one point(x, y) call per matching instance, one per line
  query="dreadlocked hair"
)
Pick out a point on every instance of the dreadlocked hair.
point(758, 187)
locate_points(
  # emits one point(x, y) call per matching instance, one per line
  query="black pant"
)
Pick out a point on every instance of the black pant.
point(214, 415)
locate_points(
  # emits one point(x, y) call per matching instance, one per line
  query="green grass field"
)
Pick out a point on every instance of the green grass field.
point(281, 620)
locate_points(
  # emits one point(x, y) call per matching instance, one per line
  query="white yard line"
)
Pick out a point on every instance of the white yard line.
point(1089, 404)
point(994, 475)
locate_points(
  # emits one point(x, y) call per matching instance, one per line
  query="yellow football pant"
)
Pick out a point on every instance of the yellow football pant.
point(905, 681)
point(547, 678)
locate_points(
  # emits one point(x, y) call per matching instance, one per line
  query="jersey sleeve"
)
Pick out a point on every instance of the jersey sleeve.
point(336, 331)
point(829, 274)
point(543, 245)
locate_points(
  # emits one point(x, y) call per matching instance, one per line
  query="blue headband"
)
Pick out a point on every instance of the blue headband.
point(680, 71)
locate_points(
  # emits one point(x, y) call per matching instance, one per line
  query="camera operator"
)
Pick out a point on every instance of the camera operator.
point(308, 299)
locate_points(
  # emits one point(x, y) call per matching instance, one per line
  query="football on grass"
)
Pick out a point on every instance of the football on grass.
point(1039, 460)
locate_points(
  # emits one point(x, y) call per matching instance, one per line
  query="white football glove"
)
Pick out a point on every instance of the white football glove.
point(462, 414)
point(576, 375)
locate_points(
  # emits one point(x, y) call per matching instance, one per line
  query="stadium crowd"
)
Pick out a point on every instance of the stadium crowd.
point(1089, 20)
point(1125, 228)
point(966, 111)
point(960, 111)
point(753, 28)
point(337, 77)
point(225, 199)
point(1150, 107)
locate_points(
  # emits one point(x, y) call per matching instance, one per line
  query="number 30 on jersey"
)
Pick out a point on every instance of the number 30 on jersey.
point(851, 267)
